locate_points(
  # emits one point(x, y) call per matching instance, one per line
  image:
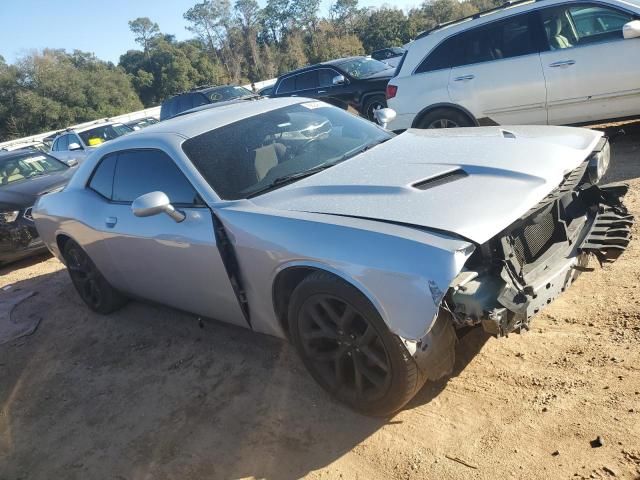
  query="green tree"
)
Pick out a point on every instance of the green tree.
point(53, 89)
point(383, 27)
point(144, 30)
point(344, 14)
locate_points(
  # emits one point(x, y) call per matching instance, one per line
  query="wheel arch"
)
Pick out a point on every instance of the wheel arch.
point(452, 106)
point(291, 275)
point(366, 96)
point(61, 241)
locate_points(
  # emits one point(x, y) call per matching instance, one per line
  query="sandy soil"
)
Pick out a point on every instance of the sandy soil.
point(149, 393)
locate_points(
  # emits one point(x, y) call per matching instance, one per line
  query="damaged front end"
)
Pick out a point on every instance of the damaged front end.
point(513, 276)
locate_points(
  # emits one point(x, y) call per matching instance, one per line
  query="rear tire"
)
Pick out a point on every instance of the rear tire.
point(348, 349)
point(92, 287)
point(372, 104)
point(445, 118)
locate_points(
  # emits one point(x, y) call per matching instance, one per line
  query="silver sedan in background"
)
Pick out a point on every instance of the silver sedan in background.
point(367, 250)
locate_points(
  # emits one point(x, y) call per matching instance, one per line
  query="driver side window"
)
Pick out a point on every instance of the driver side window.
point(125, 176)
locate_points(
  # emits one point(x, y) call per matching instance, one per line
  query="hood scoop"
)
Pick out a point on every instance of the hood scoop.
point(439, 180)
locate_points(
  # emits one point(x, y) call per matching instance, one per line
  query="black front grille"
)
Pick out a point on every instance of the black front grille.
point(532, 239)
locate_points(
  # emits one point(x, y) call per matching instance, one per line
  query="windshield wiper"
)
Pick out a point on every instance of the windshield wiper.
point(358, 151)
point(285, 179)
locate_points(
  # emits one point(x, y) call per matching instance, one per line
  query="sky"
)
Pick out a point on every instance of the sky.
point(100, 26)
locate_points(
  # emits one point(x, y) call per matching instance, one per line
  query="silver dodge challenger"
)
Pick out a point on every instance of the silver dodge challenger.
point(366, 250)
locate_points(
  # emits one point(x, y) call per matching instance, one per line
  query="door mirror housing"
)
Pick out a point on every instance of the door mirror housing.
point(74, 146)
point(154, 203)
point(631, 29)
point(72, 162)
point(339, 80)
point(385, 116)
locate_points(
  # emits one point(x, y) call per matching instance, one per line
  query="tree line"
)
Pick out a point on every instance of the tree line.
point(233, 42)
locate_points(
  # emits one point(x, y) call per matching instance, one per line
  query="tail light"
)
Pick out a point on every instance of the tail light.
point(392, 91)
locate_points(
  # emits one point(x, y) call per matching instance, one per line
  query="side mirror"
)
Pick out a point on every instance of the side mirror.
point(339, 80)
point(631, 29)
point(72, 162)
point(154, 203)
point(385, 116)
point(74, 146)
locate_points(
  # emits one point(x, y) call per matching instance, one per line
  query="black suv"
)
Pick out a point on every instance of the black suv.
point(387, 53)
point(358, 82)
point(201, 96)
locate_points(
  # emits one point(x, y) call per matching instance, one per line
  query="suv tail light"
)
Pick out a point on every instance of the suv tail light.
point(392, 91)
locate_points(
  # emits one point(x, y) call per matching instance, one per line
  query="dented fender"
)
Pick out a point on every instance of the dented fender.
point(404, 271)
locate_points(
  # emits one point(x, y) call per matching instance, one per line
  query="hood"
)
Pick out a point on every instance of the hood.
point(472, 182)
point(24, 194)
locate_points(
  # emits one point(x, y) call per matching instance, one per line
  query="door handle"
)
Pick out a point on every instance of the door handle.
point(110, 222)
point(563, 63)
point(322, 91)
point(464, 78)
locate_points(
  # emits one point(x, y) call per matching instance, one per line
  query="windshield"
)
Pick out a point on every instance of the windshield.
point(104, 133)
point(221, 94)
point(363, 67)
point(245, 158)
point(33, 164)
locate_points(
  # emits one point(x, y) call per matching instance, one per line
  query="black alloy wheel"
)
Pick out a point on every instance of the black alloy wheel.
point(348, 348)
point(92, 287)
point(345, 348)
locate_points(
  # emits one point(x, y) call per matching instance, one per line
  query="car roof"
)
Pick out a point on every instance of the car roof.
point(208, 106)
point(205, 120)
point(336, 62)
point(4, 155)
point(506, 9)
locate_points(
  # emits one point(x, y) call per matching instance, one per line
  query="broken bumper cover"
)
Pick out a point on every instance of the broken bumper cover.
point(604, 230)
point(610, 233)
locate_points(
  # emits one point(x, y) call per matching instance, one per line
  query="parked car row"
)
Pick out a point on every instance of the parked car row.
point(73, 145)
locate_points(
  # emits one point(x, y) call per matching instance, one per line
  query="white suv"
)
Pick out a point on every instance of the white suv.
point(551, 62)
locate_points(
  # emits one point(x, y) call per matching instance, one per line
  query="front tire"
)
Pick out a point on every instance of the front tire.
point(444, 118)
point(92, 287)
point(348, 349)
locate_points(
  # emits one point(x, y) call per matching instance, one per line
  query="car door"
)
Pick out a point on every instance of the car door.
point(156, 258)
point(497, 73)
point(78, 154)
point(592, 72)
point(307, 84)
point(62, 148)
point(335, 94)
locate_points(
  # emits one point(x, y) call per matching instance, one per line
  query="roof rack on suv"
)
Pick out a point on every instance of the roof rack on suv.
point(199, 87)
point(507, 4)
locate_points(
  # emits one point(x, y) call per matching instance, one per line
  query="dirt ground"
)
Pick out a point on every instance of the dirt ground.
point(148, 393)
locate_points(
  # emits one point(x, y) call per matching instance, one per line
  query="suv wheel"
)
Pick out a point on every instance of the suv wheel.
point(444, 118)
point(348, 349)
point(372, 104)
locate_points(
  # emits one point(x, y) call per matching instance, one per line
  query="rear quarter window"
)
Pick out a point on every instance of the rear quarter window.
point(102, 179)
point(287, 85)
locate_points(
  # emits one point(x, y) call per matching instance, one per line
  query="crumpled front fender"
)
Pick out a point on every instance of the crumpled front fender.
point(404, 271)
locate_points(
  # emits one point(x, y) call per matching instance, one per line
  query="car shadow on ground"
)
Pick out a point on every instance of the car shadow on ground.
point(24, 263)
point(149, 392)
